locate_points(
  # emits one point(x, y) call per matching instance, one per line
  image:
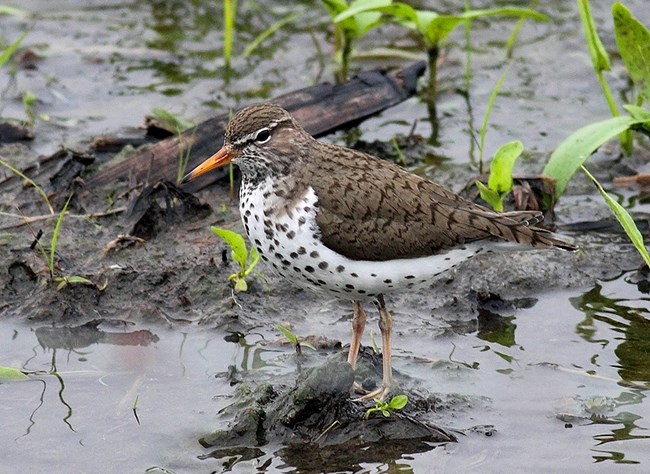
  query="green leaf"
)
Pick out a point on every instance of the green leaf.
point(633, 41)
point(501, 168)
point(599, 57)
point(575, 149)
point(440, 26)
point(172, 120)
point(269, 32)
point(55, 235)
point(11, 11)
point(7, 53)
point(360, 6)
point(334, 7)
point(287, 333)
point(490, 196)
point(398, 402)
point(236, 243)
point(624, 219)
point(240, 285)
point(9, 374)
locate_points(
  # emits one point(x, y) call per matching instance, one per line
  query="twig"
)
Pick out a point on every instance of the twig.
point(30, 220)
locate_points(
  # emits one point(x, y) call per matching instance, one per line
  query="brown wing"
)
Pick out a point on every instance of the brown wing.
point(378, 211)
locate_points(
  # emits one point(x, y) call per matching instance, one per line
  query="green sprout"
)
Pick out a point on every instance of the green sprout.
point(7, 53)
point(240, 254)
point(385, 408)
point(29, 100)
point(293, 339)
point(500, 180)
point(178, 124)
point(229, 15)
point(633, 41)
point(32, 183)
point(433, 29)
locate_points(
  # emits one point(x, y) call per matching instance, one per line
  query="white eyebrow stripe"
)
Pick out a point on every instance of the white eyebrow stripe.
point(251, 136)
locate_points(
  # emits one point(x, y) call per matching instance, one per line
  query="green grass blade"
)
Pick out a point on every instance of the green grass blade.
point(575, 149)
point(7, 53)
point(486, 117)
point(510, 44)
point(229, 15)
point(31, 182)
point(268, 32)
point(287, 333)
point(599, 56)
point(624, 218)
point(55, 236)
point(633, 41)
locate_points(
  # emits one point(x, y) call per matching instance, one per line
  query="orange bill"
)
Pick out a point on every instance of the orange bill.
point(220, 158)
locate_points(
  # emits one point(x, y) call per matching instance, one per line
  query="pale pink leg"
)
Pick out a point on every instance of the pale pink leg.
point(358, 325)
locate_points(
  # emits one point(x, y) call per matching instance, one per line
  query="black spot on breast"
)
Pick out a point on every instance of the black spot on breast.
point(314, 254)
point(264, 257)
point(296, 269)
point(301, 220)
point(340, 268)
point(276, 242)
point(361, 292)
point(447, 258)
point(409, 277)
point(309, 269)
point(257, 242)
point(293, 255)
point(291, 234)
point(322, 265)
point(279, 256)
point(257, 218)
point(307, 209)
point(374, 275)
point(388, 280)
point(271, 248)
point(350, 286)
point(301, 250)
point(286, 263)
point(246, 228)
point(247, 213)
point(354, 275)
point(322, 282)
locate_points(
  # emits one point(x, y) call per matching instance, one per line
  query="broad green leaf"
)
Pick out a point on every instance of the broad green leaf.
point(599, 57)
point(291, 337)
point(9, 374)
point(236, 243)
point(361, 6)
point(11, 11)
point(500, 179)
point(334, 7)
point(6, 54)
point(633, 41)
point(440, 27)
point(624, 218)
point(490, 196)
point(398, 402)
point(572, 152)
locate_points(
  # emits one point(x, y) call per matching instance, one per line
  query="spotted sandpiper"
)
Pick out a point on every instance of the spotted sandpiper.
point(345, 223)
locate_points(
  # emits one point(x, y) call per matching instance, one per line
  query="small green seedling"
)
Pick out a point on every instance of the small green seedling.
point(7, 53)
point(385, 408)
point(240, 254)
point(293, 339)
point(500, 180)
point(178, 124)
point(40, 190)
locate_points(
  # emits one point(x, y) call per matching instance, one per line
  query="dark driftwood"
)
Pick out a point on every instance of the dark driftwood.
point(320, 109)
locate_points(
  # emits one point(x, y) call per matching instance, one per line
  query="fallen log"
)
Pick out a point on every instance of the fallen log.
point(320, 109)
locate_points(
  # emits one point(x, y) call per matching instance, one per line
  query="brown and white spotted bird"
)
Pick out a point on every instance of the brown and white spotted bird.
point(347, 224)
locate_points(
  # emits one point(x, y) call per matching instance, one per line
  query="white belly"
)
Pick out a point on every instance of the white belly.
point(292, 249)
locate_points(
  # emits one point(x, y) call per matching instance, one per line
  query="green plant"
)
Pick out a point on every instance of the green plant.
point(385, 408)
point(31, 182)
point(351, 22)
point(229, 15)
point(500, 180)
point(293, 339)
point(178, 124)
point(29, 100)
point(486, 118)
point(433, 29)
point(240, 254)
point(624, 219)
point(600, 62)
point(259, 39)
point(9, 374)
point(7, 53)
point(633, 41)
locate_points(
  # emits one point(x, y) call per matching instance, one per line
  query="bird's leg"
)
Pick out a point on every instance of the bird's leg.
point(358, 325)
point(385, 326)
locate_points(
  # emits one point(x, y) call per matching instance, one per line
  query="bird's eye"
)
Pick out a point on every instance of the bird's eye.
point(263, 135)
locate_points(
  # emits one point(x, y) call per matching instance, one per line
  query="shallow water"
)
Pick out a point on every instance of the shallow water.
point(564, 390)
point(563, 383)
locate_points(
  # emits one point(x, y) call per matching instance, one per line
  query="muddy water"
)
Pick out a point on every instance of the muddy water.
point(555, 381)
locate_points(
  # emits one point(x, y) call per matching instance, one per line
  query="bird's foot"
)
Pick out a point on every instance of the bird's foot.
point(380, 393)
